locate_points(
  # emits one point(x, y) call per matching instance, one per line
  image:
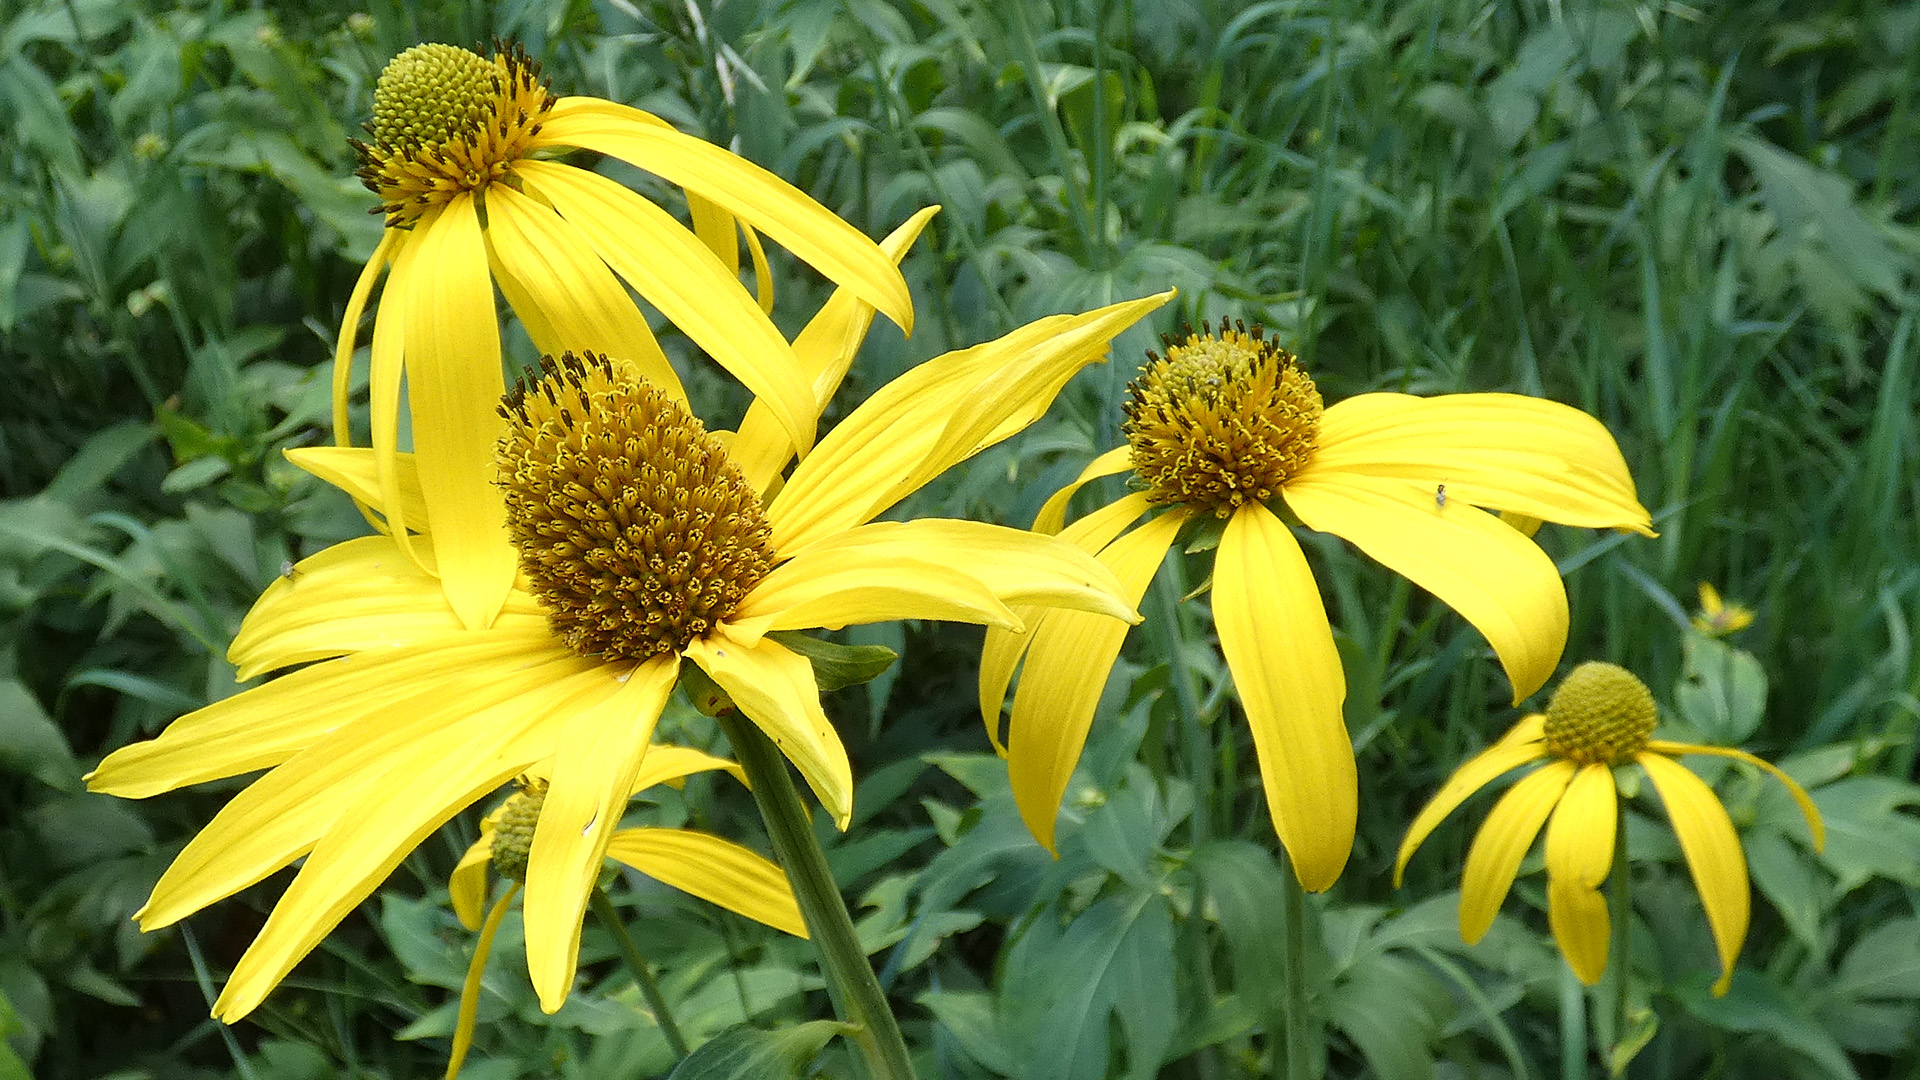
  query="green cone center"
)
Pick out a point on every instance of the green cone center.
point(1600, 714)
point(432, 95)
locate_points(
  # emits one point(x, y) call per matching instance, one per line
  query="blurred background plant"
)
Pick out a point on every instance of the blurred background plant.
point(1694, 221)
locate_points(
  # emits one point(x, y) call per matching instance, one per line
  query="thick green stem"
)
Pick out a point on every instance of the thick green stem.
point(1573, 1027)
point(609, 917)
point(1299, 1014)
point(850, 981)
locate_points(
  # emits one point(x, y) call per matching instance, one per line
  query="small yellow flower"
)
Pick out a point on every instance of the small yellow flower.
point(1601, 717)
point(1719, 619)
point(1228, 424)
point(716, 870)
point(460, 154)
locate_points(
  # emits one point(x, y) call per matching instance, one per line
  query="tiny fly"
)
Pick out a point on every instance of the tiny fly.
point(1440, 496)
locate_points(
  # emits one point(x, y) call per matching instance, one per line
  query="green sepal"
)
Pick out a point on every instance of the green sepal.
point(838, 666)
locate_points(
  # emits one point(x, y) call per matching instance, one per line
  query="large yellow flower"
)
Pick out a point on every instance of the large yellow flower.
point(1227, 424)
point(714, 869)
point(642, 543)
point(1599, 718)
point(459, 154)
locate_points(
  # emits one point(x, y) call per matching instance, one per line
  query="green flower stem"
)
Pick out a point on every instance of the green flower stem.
point(1620, 907)
point(1298, 1064)
point(850, 981)
point(1573, 1027)
point(609, 917)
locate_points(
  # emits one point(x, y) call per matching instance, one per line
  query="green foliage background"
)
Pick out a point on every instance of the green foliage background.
point(1693, 220)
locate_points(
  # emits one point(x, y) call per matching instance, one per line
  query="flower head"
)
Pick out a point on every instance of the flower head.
point(1227, 424)
point(638, 551)
point(1601, 717)
point(1717, 618)
point(460, 152)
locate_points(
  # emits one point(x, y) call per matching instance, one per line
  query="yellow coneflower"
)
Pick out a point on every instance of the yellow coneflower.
point(1717, 618)
point(459, 152)
point(716, 870)
point(1601, 717)
point(641, 543)
point(1228, 424)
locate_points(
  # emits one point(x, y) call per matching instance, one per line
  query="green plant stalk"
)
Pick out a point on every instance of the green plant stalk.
point(1620, 906)
point(1573, 1027)
point(1050, 126)
point(609, 917)
point(855, 991)
point(1298, 1066)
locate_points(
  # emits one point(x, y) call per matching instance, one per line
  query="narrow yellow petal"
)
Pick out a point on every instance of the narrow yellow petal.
point(1580, 841)
point(349, 338)
point(600, 751)
point(1713, 852)
point(824, 351)
point(470, 989)
point(1274, 634)
point(1053, 513)
point(454, 384)
point(467, 884)
point(356, 471)
point(1497, 579)
point(775, 689)
point(1506, 451)
point(553, 270)
point(669, 764)
point(677, 274)
point(1490, 764)
point(937, 415)
point(756, 196)
point(863, 587)
point(1066, 670)
point(762, 271)
point(716, 229)
point(715, 870)
point(1816, 826)
point(1502, 842)
point(386, 370)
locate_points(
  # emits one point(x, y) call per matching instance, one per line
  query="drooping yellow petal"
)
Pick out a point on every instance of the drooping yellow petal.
point(386, 369)
point(762, 271)
point(716, 229)
point(824, 350)
point(744, 189)
point(356, 471)
point(1816, 826)
point(470, 989)
point(863, 587)
point(599, 756)
point(1497, 579)
point(1493, 762)
point(1502, 842)
point(671, 764)
point(411, 792)
point(1274, 634)
point(715, 870)
point(581, 305)
point(1536, 457)
point(1053, 513)
point(269, 724)
point(1713, 852)
point(349, 338)
point(1066, 670)
point(937, 415)
point(775, 689)
point(467, 885)
point(1580, 842)
point(678, 275)
point(454, 384)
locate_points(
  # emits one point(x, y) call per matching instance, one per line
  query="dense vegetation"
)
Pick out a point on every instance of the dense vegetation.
point(1694, 222)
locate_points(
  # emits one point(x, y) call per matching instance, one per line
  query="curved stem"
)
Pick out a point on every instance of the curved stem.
point(851, 983)
point(603, 910)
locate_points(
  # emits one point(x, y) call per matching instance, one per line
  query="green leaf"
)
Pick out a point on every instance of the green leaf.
point(1116, 958)
point(969, 1017)
point(1755, 1006)
point(1722, 691)
point(838, 666)
point(30, 743)
point(1244, 887)
point(748, 1053)
point(1392, 1010)
point(1884, 963)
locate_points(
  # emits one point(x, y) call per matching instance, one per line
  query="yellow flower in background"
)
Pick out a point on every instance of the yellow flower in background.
point(1718, 619)
point(641, 543)
point(1228, 424)
point(459, 154)
point(1600, 717)
point(716, 870)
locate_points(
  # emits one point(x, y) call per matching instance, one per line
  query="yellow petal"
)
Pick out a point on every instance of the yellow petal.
point(1536, 457)
point(1815, 824)
point(1066, 670)
point(1580, 842)
point(716, 229)
point(1493, 762)
point(349, 338)
point(355, 470)
point(744, 189)
point(863, 587)
point(467, 884)
point(546, 266)
point(400, 799)
point(824, 350)
point(762, 272)
point(454, 386)
point(1053, 513)
point(386, 370)
point(1274, 634)
point(669, 764)
point(715, 870)
point(1497, 579)
point(775, 689)
point(677, 274)
point(1714, 857)
point(937, 415)
point(470, 989)
point(264, 726)
point(599, 756)
point(1503, 841)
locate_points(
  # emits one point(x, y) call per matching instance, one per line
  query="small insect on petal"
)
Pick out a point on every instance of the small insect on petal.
point(1440, 496)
